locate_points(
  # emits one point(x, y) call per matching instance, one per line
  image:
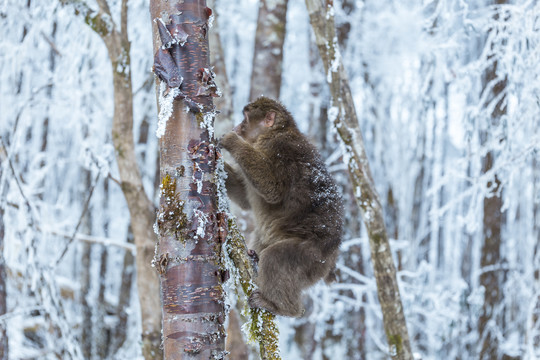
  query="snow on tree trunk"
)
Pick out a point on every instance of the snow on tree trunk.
point(191, 228)
point(343, 114)
point(268, 52)
point(140, 207)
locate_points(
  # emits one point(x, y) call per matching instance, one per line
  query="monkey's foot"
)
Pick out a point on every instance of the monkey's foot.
point(258, 302)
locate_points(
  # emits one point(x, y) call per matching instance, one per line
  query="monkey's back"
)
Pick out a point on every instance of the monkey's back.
point(311, 208)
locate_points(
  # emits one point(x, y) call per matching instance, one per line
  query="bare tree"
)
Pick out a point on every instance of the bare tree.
point(223, 103)
point(491, 278)
point(343, 115)
point(140, 207)
point(4, 350)
point(268, 52)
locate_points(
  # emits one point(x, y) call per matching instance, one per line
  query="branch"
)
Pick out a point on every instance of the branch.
point(51, 44)
point(124, 20)
point(262, 326)
point(97, 240)
point(85, 209)
point(16, 178)
point(104, 6)
point(343, 115)
point(101, 22)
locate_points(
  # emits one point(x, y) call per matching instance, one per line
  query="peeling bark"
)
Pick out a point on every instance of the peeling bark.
point(188, 255)
point(343, 115)
point(268, 52)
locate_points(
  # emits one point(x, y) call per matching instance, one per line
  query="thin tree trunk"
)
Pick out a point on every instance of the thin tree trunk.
point(86, 279)
point(188, 256)
point(491, 280)
point(102, 336)
point(124, 298)
point(4, 348)
point(268, 53)
point(343, 114)
point(224, 104)
point(236, 346)
point(140, 207)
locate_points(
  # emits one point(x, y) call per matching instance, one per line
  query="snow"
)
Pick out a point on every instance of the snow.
point(166, 106)
point(416, 71)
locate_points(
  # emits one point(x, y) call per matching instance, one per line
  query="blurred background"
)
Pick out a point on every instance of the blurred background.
point(447, 94)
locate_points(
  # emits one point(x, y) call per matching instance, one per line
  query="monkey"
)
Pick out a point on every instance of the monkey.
point(280, 176)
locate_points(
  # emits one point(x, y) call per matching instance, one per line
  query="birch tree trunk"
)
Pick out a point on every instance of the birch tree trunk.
point(140, 207)
point(268, 52)
point(343, 115)
point(191, 228)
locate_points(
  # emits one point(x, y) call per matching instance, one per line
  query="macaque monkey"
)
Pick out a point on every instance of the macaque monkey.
point(297, 208)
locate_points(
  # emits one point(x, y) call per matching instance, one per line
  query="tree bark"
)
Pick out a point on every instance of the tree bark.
point(268, 53)
point(343, 115)
point(191, 228)
point(140, 207)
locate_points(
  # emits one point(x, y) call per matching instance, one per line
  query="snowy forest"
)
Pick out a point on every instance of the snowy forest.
point(443, 97)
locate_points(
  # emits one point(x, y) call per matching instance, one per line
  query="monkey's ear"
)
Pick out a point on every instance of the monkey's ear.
point(269, 119)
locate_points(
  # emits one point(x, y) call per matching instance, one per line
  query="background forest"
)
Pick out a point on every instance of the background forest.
point(447, 94)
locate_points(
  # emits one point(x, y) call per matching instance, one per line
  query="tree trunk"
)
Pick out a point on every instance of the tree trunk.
point(4, 350)
point(188, 255)
point(87, 338)
point(236, 346)
point(268, 52)
point(140, 207)
point(490, 277)
point(124, 297)
point(224, 104)
point(343, 115)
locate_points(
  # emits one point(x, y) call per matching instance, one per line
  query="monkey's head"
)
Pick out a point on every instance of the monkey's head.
point(263, 116)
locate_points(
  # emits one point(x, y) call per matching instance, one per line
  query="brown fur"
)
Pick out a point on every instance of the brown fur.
point(297, 207)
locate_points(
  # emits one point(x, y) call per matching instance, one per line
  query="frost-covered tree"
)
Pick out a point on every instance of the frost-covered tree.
point(417, 73)
point(268, 49)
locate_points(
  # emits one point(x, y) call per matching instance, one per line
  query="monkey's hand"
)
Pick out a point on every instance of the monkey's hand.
point(230, 140)
point(254, 259)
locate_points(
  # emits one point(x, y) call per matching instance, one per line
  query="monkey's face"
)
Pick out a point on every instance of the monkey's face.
point(255, 124)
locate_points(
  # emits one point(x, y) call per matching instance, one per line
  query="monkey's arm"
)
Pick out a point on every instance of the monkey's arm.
point(236, 189)
point(257, 168)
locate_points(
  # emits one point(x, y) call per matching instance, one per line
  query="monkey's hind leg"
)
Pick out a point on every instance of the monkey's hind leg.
point(284, 269)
